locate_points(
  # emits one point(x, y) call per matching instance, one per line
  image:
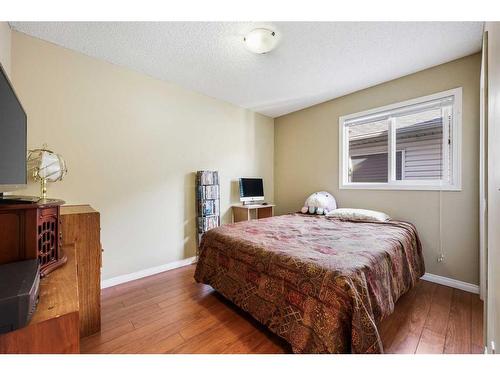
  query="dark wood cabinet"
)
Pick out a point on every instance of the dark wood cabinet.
point(29, 229)
point(49, 239)
point(13, 246)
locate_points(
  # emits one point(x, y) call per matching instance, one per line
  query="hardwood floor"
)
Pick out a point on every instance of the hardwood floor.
point(171, 313)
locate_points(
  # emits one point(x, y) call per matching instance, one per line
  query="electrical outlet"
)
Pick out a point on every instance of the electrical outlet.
point(440, 258)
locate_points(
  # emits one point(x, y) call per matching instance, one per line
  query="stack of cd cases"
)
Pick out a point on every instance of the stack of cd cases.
point(207, 201)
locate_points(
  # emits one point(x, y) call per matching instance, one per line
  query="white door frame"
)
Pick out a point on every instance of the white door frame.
point(483, 168)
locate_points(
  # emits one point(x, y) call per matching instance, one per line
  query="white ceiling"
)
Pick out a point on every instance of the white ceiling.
point(314, 62)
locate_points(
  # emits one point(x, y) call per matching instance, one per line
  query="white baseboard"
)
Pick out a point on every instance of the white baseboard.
point(147, 272)
point(472, 288)
point(457, 284)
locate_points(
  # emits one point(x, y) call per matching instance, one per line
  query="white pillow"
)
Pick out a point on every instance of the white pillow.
point(358, 214)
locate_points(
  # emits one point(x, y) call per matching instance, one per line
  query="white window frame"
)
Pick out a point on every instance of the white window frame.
point(456, 148)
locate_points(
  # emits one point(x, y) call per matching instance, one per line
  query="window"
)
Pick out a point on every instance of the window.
point(413, 145)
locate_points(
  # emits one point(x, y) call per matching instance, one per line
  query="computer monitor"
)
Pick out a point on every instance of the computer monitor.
point(251, 190)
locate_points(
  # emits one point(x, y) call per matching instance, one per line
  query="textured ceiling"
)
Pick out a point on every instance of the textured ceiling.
point(314, 62)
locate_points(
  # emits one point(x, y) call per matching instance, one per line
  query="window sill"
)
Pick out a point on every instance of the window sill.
point(382, 186)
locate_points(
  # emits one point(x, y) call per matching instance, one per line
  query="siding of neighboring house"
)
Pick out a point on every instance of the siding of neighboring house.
point(419, 155)
point(423, 160)
point(373, 167)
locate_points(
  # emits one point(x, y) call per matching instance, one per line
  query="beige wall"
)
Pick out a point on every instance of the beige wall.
point(306, 160)
point(5, 46)
point(132, 144)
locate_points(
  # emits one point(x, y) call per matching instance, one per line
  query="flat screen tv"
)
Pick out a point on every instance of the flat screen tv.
point(13, 129)
point(251, 190)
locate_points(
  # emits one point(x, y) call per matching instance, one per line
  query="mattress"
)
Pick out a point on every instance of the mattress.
point(322, 284)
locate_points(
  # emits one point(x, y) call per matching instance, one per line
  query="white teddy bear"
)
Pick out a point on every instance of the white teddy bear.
point(320, 203)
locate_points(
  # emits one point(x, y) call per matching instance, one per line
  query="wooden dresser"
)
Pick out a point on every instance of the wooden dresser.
point(54, 327)
point(70, 296)
point(81, 227)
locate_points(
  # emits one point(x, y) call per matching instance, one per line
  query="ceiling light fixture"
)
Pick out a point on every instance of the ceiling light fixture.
point(261, 40)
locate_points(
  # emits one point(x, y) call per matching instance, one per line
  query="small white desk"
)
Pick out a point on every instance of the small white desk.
point(244, 212)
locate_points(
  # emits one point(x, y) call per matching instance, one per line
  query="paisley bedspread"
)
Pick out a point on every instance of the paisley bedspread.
point(323, 284)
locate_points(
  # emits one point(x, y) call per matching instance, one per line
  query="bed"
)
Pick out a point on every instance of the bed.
point(321, 283)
